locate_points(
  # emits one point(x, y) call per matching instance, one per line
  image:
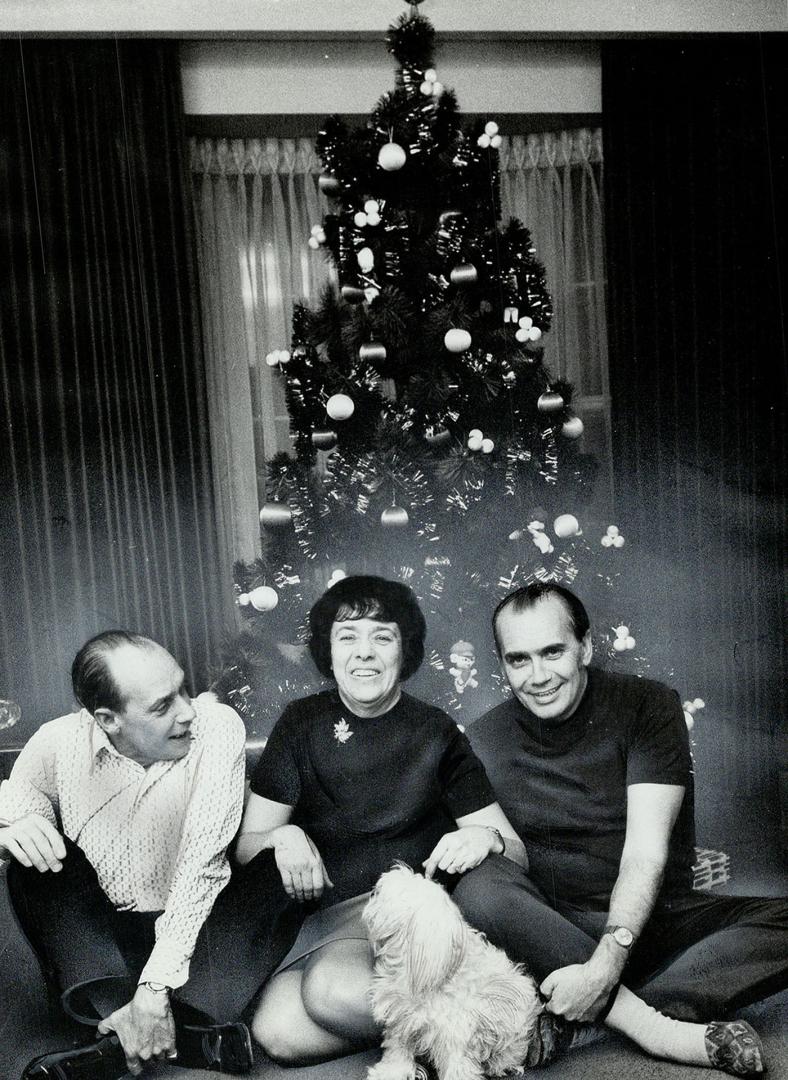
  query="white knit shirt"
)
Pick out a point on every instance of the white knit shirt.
point(156, 836)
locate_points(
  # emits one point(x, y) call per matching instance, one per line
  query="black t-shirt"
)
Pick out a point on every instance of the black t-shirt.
point(564, 786)
point(370, 790)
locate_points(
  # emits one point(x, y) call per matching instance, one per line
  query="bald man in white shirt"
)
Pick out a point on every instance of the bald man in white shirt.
point(116, 821)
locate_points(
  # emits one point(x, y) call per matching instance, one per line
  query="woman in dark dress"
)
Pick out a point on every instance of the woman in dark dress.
point(351, 780)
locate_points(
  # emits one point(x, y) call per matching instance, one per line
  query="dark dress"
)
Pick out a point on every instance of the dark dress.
point(370, 790)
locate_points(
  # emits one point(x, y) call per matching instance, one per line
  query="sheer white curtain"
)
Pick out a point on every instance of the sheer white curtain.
point(255, 202)
point(552, 182)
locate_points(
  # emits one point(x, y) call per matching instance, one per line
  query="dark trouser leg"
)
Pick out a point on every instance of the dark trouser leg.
point(249, 931)
point(704, 956)
point(68, 920)
point(500, 899)
point(79, 936)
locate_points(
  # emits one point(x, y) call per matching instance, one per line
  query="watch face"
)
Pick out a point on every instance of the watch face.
point(623, 936)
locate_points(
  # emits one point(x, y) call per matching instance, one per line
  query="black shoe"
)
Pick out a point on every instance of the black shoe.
point(102, 1060)
point(223, 1048)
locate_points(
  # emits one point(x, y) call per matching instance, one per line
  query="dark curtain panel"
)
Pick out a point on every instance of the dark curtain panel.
point(695, 183)
point(105, 511)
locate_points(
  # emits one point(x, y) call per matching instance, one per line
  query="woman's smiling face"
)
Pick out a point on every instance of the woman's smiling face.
point(366, 659)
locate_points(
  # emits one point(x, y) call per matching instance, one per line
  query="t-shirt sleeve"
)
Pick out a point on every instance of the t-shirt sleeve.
point(276, 775)
point(463, 779)
point(659, 744)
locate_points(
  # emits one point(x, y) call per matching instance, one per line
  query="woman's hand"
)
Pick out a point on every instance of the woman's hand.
point(459, 851)
point(303, 874)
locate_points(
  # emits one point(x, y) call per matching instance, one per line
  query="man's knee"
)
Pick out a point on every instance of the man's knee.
point(493, 893)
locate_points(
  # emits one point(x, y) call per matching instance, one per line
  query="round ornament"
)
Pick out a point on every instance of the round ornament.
point(550, 402)
point(275, 515)
point(366, 259)
point(360, 219)
point(394, 517)
point(572, 428)
point(264, 598)
point(340, 406)
point(243, 599)
point(475, 442)
point(371, 206)
point(391, 157)
point(324, 438)
point(328, 184)
point(566, 525)
point(464, 274)
point(457, 340)
point(373, 352)
point(351, 294)
point(487, 446)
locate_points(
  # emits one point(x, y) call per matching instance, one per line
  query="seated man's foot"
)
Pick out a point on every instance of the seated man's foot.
point(553, 1036)
point(223, 1048)
point(734, 1047)
point(102, 1060)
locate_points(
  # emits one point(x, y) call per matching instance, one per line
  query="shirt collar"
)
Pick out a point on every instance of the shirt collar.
point(99, 740)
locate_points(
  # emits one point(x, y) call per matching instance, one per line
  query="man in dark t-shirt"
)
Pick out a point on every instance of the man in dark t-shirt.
point(594, 771)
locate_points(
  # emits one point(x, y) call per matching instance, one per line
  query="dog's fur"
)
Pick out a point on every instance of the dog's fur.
point(441, 991)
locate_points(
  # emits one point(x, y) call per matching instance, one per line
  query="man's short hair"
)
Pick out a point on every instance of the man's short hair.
point(529, 595)
point(365, 596)
point(94, 686)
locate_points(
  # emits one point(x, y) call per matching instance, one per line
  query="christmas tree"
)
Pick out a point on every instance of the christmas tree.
point(431, 443)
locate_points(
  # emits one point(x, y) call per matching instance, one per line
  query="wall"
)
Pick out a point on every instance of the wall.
point(592, 18)
point(274, 78)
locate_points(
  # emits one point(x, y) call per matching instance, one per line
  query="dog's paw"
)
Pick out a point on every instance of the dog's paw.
point(395, 1070)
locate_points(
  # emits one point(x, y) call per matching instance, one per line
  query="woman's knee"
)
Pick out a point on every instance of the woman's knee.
point(274, 1026)
point(335, 989)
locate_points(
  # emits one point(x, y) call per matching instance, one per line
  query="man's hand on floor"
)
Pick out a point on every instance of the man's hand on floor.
point(145, 1028)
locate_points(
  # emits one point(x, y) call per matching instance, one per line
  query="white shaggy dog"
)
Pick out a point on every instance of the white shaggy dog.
point(440, 989)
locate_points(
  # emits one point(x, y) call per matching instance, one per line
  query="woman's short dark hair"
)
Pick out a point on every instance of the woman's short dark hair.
point(530, 595)
point(365, 596)
point(94, 686)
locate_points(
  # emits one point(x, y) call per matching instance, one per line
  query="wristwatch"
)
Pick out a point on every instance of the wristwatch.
point(156, 987)
point(497, 832)
point(622, 935)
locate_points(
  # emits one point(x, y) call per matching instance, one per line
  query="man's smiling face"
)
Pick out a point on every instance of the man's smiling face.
point(542, 659)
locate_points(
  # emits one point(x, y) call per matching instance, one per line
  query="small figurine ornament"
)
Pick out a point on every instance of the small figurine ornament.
point(463, 657)
point(540, 537)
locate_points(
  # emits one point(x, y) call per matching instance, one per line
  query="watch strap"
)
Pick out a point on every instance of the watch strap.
point(611, 928)
point(497, 832)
